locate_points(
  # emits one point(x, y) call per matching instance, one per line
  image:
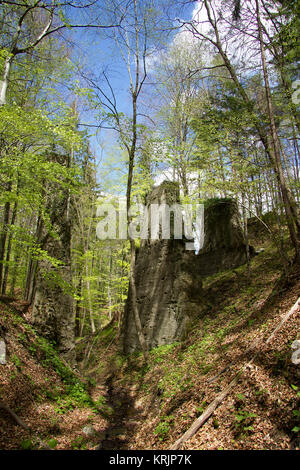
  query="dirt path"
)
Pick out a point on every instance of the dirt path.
point(124, 420)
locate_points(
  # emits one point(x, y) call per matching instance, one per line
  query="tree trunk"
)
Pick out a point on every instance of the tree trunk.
point(5, 78)
point(8, 250)
point(4, 233)
point(289, 204)
point(33, 264)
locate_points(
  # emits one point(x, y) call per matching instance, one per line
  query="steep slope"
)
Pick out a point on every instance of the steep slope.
point(123, 403)
point(43, 403)
point(165, 396)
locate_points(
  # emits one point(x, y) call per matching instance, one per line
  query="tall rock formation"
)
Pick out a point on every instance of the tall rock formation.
point(167, 282)
point(224, 243)
point(169, 278)
point(52, 311)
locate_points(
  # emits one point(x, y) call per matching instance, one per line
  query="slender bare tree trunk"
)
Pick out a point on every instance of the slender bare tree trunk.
point(138, 324)
point(289, 205)
point(88, 287)
point(77, 309)
point(3, 235)
point(135, 89)
point(32, 265)
point(8, 250)
point(245, 223)
point(272, 151)
point(5, 78)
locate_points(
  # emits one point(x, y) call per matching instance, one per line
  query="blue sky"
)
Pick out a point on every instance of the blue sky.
point(96, 52)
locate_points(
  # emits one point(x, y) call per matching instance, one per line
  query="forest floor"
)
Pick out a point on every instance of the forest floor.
point(118, 402)
point(156, 403)
point(43, 392)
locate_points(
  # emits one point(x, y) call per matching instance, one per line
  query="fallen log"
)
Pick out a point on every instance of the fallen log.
point(14, 416)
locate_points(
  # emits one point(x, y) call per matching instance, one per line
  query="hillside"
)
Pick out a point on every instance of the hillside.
point(117, 402)
point(155, 403)
point(41, 389)
point(127, 404)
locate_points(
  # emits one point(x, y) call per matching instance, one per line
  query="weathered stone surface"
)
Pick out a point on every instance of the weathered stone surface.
point(296, 355)
point(52, 311)
point(168, 286)
point(168, 294)
point(2, 352)
point(169, 278)
point(224, 244)
point(89, 431)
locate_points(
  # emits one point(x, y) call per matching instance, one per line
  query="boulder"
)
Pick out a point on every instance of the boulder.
point(2, 352)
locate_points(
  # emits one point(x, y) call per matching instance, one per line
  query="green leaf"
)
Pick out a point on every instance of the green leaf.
point(240, 396)
point(52, 443)
point(27, 444)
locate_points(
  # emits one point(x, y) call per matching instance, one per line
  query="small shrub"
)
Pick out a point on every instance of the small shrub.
point(200, 409)
point(244, 422)
point(296, 413)
point(15, 360)
point(163, 428)
point(27, 444)
point(52, 443)
point(103, 407)
point(244, 419)
point(78, 443)
point(160, 352)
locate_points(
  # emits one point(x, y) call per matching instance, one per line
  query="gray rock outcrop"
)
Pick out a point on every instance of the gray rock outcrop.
point(52, 311)
point(169, 278)
point(2, 352)
point(168, 285)
point(224, 243)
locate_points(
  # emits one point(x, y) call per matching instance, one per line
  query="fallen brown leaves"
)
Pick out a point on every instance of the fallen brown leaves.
point(24, 383)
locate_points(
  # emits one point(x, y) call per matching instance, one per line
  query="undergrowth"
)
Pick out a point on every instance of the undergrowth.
point(74, 393)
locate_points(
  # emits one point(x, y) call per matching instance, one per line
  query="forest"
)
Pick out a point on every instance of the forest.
point(149, 225)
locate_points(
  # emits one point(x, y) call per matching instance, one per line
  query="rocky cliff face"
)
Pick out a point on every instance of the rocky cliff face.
point(168, 285)
point(169, 278)
point(168, 294)
point(53, 305)
point(224, 244)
